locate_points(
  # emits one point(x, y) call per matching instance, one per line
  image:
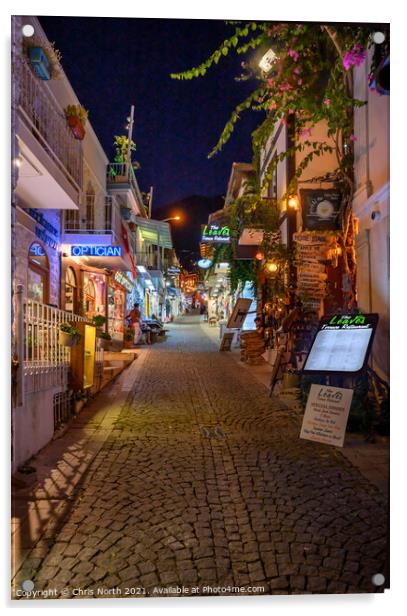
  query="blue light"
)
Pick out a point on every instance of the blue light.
point(96, 251)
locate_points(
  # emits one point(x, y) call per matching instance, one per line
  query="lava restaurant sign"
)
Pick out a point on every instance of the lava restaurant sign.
point(326, 415)
point(96, 251)
point(216, 233)
point(320, 209)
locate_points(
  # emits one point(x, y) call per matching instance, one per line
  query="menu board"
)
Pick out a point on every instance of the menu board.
point(326, 415)
point(342, 344)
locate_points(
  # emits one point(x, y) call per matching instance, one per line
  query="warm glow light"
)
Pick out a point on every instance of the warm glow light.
point(259, 256)
point(293, 202)
point(267, 60)
point(271, 267)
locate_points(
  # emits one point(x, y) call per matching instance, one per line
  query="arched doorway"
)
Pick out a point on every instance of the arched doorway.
point(70, 290)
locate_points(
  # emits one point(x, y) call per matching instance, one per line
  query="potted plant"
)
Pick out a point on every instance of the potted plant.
point(68, 335)
point(104, 340)
point(98, 320)
point(76, 116)
point(44, 59)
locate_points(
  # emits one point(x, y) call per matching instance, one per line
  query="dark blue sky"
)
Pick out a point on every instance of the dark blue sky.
point(115, 62)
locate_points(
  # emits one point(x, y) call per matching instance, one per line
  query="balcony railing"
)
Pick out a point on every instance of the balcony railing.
point(122, 174)
point(47, 123)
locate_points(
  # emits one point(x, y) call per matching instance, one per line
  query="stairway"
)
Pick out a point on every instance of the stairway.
point(114, 363)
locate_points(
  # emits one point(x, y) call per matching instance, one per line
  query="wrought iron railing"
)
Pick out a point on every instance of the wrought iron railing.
point(75, 222)
point(40, 112)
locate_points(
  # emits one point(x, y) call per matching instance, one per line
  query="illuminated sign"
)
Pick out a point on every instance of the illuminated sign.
point(204, 263)
point(216, 233)
point(124, 281)
point(96, 251)
point(342, 344)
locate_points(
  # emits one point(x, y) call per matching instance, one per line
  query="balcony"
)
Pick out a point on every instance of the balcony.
point(50, 175)
point(99, 217)
point(122, 180)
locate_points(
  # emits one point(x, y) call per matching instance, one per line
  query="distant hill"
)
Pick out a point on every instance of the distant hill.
point(186, 233)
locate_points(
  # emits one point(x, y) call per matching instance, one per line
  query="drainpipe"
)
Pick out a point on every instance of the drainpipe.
point(20, 346)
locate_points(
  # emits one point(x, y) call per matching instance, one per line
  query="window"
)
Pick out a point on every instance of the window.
point(89, 293)
point(70, 290)
point(90, 207)
point(37, 274)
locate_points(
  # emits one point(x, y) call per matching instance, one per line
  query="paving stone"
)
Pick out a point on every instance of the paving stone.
point(161, 504)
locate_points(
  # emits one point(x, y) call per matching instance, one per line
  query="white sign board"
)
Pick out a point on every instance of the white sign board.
point(339, 350)
point(326, 415)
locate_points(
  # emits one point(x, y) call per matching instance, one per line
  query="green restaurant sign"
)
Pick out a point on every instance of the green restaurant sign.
point(216, 233)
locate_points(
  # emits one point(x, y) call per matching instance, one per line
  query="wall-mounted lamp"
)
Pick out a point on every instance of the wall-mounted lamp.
point(271, 267)
point(293, 202)
point(259, 255)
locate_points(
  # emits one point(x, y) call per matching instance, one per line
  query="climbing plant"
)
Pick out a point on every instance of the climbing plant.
point(308, 80)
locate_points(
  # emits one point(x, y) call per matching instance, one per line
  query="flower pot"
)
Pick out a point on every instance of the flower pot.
point(40, 62)
point(125, 213)
point(76, 127)
point(65, 339)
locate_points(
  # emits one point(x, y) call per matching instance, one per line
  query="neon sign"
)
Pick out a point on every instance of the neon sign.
point(96, 251)
point(215, 233)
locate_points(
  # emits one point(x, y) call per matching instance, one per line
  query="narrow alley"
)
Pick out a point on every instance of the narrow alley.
point(203, 483)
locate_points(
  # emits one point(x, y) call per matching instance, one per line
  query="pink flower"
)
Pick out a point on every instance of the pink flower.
point(270, 82)
point(291, 111)
point(293, 54)
point(305, 132)
point(354, 57)
point(299, 82)
point(297, 70)
point(284, 87)
point(273, 105)
point(284, 121)
point(352, 137)
point(327, 102)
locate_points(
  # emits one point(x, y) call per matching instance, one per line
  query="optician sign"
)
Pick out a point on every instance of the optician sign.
point(96, 251)
point(342, 344)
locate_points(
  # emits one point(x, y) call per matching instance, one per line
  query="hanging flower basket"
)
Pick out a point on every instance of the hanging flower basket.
point(68, 340)
point(40, 62)
point(76, 127)
point(68, 335)
point(76, 116)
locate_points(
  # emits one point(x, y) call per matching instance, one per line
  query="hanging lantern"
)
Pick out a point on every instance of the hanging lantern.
point(293, 202)
point(259, 255)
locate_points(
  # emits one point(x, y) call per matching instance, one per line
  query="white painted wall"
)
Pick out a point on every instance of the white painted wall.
point(371, 206)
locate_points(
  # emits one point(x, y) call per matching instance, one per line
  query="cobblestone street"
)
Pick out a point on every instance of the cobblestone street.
point(203, 481)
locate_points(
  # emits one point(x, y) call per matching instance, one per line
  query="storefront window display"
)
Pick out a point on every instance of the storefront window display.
point(116, 302)
point(94, 294)
point(37, 274)
point(70, 290)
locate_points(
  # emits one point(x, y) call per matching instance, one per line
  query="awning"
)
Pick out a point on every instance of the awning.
point(154, 231)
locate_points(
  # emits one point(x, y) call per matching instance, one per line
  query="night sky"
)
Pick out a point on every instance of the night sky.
point(115, 62)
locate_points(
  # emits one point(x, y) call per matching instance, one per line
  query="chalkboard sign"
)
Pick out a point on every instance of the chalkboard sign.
point(239, 313)
point(341, 344)
point(226, 343)
point(320, 209)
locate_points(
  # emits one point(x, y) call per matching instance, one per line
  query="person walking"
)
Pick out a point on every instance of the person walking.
point(135, 318)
